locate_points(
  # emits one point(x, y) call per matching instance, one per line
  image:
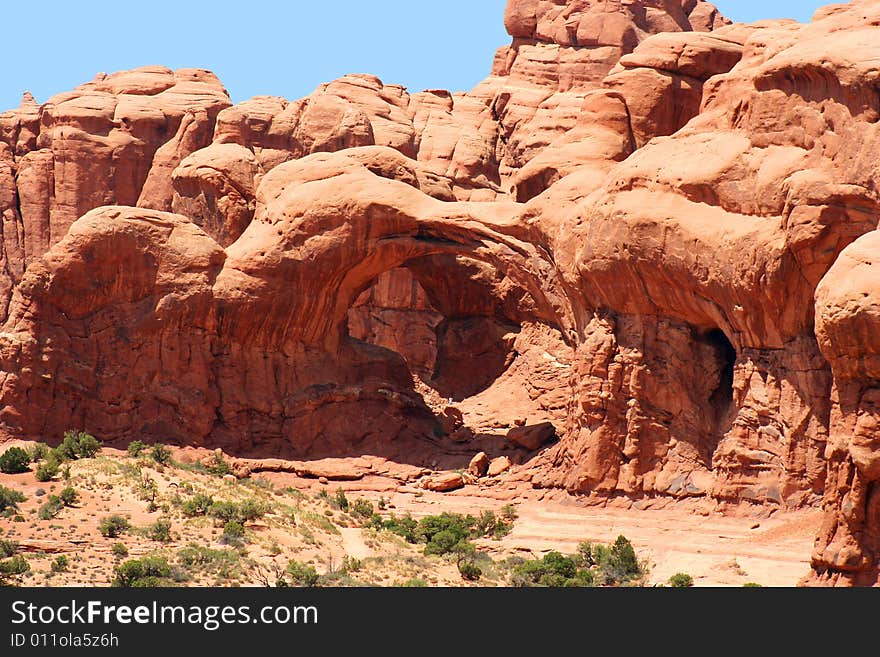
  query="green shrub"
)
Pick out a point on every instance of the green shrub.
point(553, 570)
point(48, 469)
point(39, 451)
point(160, 454)
point(362, 508)
point(415, 583)
point(136, 448)
point(470, 571)
point(10, 499)
point(12, 569)
point(198, 505)
point(113, 526)
point(233, 533)
point(218, 466)
point(14, 461)
point(8, 548)
point(160, 531)
point(51, 508)
point(68, 496)
point(119, 550)
point(142, 573)
point(247, 511)
point(341, 501)
point(301, 574)
point(620, 564)
point(224, 511)
point(60, 565)
point(196, 556)
point(405, 526)
point(251, 509)
point(78, 445)
point(752, 585)
point(681, 581)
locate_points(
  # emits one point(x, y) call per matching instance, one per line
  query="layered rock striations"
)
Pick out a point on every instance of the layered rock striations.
point(648, 238)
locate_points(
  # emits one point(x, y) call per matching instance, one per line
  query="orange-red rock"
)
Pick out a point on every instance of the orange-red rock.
point(654, 231)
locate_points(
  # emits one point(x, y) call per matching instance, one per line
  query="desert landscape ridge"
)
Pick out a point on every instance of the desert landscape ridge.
point(629, 283)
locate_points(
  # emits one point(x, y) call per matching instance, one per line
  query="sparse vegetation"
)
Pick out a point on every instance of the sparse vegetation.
point(68, 496)
point(114, 525)
point(198, 505)
point(48, 469)
point(414, 583)
point(136, 448)
point(9, 500)
point(340, 500)
point(78, 445)
point(39, 451)
point(681, 581)
point(362, 508)
point(14, 461)
point(11, 570)
point(60, 565)
point(119, 550)
point(553, 570)
point(218, 465)
point(51, 508)
point(160, 531)
point(146, 572)
point(301, 574)
point(592, 565)
point(8, 548)
point(233, 533)
point(160, 454)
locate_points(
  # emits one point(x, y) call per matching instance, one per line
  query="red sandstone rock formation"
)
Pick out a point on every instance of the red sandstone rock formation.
point(650, 228)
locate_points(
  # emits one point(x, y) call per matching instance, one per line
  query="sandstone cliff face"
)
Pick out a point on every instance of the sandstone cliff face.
point(652, 228)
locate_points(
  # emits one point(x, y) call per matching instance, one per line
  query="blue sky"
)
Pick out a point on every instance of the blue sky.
point(284, 48)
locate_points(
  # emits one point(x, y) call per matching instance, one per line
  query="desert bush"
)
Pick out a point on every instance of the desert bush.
point(160, 531)
point(8, 548)
point(60, 565)
point(39, 451)
point(10, 499)
point(620, 564)
point(14, 461)
point(301, 574)
point(12, 569)
point(362, 508)
point(248, 510)
point(48, 469)
point(553, 570)
point(233, 533)
point(198, 505)
point(145, 572)
point(51, 508)
point(114, 525)
point(218, 465)
point(752, 585)
point(405, 526)
point(119, 550)
point(160, 454)
point(77, 445)
point(414, 583)
point(68, 496)
point(470, 571)
point(136, 448)
point(340, 501)
point(681, 581)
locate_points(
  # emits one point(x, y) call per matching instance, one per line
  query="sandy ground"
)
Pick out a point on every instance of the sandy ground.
point(715, 550)
point(771, 549)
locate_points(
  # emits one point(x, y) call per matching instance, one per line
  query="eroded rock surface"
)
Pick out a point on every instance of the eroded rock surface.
point(649, 231)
